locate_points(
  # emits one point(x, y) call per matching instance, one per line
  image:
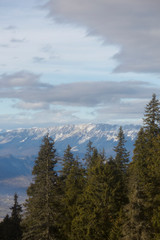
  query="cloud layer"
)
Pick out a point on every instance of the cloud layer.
point(132, 25)
point(102, 100)
point(28, 88)
point(65, 71)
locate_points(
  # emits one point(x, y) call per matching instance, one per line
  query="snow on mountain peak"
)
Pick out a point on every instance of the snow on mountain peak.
point(27, 141)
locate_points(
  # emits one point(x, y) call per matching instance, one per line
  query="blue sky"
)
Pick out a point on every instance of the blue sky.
point(77, 61)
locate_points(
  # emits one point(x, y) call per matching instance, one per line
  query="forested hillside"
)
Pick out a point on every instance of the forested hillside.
point(99, 198)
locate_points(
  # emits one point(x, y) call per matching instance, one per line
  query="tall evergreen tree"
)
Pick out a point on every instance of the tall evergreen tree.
point(88, 154)
point(6, 228)
point(71, 181)
point(42, 203)
point(152, 117)
point(119, 172)
point(67, 162)
point(16, 217)
point(152, 187)
point(122, 155)
point(143, 189)
point(117, 186)
point(137, 224)
point(74, 185)
point(10, 228)
point(91, 221)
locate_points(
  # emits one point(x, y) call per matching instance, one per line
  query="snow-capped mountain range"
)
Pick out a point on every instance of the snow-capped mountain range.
point(19, 148)
point(26, 142)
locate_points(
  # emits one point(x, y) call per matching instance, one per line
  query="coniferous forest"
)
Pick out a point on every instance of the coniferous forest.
point(96, 198)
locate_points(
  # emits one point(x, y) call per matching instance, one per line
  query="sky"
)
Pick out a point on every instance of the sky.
point(77, 61)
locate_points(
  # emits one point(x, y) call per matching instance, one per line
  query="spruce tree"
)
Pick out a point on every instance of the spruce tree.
point(74, 185)
point(88, 154)
point(91, 221)
point(144, 195)
point(67, 162)
point(153, 186)
point(152, 117)
point(16, 217)
point(6, 228)
point(71, 182)
point(42, 203)
point(116, 197)
point(137, 224)
point(10, 228)
point(119, 166)
point(122, 155)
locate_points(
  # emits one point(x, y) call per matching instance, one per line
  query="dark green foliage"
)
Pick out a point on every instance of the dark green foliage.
point(153, 186)
point(117, 186)
point(88, 155)
point(74, 185)
point(67, 162)
point(144, 179)
point(42, 203)
point(6, 228)
point(117, 177)
point(116, 229)
point(16, 210)
point(16, 217)
point(122, 156)
point(137, 223)
point(152, 116)
point(10, 228)
point(91, 221)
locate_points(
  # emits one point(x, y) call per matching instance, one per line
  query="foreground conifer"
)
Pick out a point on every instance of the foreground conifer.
point(41, 206)
point(143, 220)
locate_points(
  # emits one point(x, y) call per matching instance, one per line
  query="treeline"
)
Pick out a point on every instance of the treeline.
point(99, 199)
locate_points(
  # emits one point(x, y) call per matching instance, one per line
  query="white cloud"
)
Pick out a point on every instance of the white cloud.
point(68, 67)
point(19, 79)
point(32, 93)
point(73, 102)
point(133, 25)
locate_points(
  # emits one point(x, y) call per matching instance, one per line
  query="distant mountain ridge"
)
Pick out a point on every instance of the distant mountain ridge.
point(26, 142)
point(19, 148)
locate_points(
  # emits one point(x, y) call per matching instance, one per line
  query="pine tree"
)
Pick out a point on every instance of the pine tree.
point(144, 195)
point(6, 228)
point(136, 224)
point(152, 186)
point(67, 162)
point(10, 226)
point(152, 117)
point(42, 203)
point(88, 155)
point(119, 166)
point(71, 181)
point(16, 210)
point(122, 155)
point(117, 186)
point(91, 221)
point(74, 185)
point(116, 228)
point(16, 217)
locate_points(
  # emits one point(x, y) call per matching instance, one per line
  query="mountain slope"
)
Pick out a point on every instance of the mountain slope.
point(26, 142)
point(19, 148)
